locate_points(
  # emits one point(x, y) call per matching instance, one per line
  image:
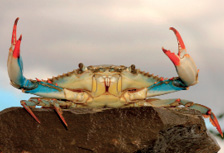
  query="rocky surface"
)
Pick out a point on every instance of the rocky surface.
point(128, 130)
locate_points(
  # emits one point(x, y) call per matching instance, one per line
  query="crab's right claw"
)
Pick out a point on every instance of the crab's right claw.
point(184, 64)
point(14, 64)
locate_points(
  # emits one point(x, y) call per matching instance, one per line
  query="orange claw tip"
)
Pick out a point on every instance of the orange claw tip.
point(173, 57)
point(179, 39)
point(13, 41)
point(164, 50)
point(20, 38)
point(16, 52)
point(16, 21)
point(172, 28)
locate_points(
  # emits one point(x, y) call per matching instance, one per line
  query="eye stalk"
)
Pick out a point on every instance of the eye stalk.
point(82, 67)
point(132, 69)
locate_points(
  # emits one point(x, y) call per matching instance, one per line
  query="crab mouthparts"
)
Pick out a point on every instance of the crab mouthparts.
point(107, 84)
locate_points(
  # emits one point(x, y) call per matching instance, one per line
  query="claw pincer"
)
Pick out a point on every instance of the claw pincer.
point(15, 64)
point(184, 64)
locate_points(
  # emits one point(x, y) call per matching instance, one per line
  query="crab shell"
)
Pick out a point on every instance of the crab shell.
point(104, 85)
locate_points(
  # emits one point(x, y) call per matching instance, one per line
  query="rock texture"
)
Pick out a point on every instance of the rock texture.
point(128, 130)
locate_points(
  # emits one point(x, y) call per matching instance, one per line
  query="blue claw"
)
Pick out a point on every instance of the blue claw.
point(15, 64)
point(15, 71)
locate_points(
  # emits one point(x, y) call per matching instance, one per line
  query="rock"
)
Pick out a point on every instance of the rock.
point(128, 130)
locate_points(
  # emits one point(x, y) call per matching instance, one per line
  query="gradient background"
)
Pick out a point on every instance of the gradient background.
point(57, 35)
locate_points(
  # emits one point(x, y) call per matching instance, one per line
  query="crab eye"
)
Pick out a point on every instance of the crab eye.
point(132, 69)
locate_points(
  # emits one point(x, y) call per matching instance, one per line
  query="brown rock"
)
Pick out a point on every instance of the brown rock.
point(128, 130)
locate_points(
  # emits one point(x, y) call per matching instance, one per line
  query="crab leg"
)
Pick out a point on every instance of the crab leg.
point(46, 103)
point(27, 105)
point(59, 112)
point(206, 112)
point(165, 86)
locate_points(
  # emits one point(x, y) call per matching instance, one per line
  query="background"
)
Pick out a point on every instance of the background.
point(57, 35)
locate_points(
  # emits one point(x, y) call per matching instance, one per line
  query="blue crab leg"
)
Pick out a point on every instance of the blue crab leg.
point(46, 103)
point(59, 112)
point(166, 86)
point(206, 112)
point(27, 105)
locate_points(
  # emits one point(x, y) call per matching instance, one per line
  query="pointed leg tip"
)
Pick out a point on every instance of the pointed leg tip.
point(30, 111)
point(58, 111)
point(38, 121)
point(220, 131)
point(215, 123)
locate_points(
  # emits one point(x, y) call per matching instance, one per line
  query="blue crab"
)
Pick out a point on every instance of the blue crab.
point(106, 85)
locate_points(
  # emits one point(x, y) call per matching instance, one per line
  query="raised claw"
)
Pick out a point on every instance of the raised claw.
point(15, 65)
point(184, 64)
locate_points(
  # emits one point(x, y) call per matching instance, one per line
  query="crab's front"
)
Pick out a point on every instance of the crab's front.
point(107, 85)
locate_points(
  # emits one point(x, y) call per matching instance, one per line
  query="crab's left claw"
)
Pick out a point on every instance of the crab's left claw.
point(184, 64)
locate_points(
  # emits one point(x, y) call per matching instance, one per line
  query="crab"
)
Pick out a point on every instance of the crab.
point(106, 85)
